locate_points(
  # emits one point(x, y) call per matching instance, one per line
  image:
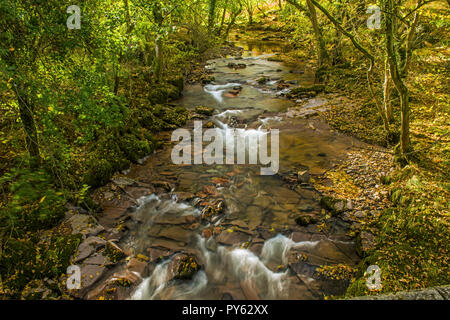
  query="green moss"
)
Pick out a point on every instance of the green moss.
point(207, 111)
point(187, 269)
point(26, 261)
point(99, 172)
point(163, 93)
point(113, 252)
point(306, 91)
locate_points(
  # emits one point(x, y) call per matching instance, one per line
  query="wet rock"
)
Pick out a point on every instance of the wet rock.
point(304, 269)
point(98, 259)
point(227, 296)
point(303, 176)
point(155, 254)
point(335, 206)
point(207, 233)
point(262, 80)
point(306, 207)
point(90, 273)
point(84, 224)
point(125, 278)
point(207, 111)
point(114, 252)
point(123, 182)
point(284, 195)
point(236, 66)
point(176, 233)
point(136, 265)
point(256, 248)
point(305, 220)
point(163, 184)
point(262, 201)
point(255, 217)
point(229, 237)
point(365, 242)
point(182, 267)
point(306, 92)
point(88, 247)
point(250, 290)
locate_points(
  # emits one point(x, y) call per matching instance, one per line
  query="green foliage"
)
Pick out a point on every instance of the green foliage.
point(34, 203)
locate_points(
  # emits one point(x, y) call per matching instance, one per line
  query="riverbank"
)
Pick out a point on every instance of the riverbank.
point(408, 235)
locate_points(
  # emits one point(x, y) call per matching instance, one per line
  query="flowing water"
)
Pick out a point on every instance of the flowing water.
point(255, 249)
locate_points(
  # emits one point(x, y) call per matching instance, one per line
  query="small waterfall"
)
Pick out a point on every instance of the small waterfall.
point(154, 284)
point(217, 90)
point(276, 249)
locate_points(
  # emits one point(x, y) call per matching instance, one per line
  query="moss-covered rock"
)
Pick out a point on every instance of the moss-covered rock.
point(308, 91)
point(113, 252)
point(207, 111)
point(335, 206)
point(305, 220)
point(163, 93)
point(187, 268)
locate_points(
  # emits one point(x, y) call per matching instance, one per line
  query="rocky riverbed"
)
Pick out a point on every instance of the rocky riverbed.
point(223, 231)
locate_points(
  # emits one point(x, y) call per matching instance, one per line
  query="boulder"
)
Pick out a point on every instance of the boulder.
point(88, 247)
point(303, 176)
point(305, 220)
point(207, 111)
point(335, 206)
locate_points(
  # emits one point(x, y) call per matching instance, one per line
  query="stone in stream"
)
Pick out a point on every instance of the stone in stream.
point(255, 217)
point(305, 220)
point(235, 66)
point(158, 253)
point(303, 176)
point(182, 267)
point(262, 201)
point(171, 232)
point(335, 206)
point(250, 290)
point(114, 252)
point(230, 237)
point(284, 195)
point(137, 265)
point(207, 111)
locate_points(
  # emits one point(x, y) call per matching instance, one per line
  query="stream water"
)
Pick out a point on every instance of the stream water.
point(254, 249)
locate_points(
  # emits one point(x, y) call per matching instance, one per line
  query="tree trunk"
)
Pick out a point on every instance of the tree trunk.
point(365, 52)
point(158, 58)
point(212, 13)
point(323, 57)
point(234, 16)
point(26, 110)
point(222, 22)
point(410, 41)
point(402, 89)
point(387, 92)
point(250, 16)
